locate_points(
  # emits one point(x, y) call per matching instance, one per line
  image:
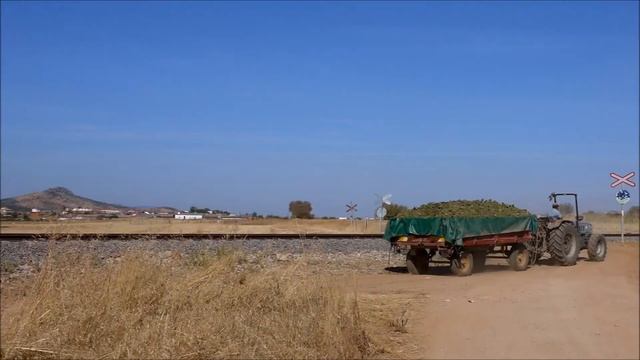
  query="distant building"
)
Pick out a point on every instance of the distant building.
point(5, 211)
point(188, 216)
point(81, 210)
point(110, 211)
point(34, 210)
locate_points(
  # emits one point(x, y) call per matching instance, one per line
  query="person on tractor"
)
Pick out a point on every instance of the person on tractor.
point(555, 213)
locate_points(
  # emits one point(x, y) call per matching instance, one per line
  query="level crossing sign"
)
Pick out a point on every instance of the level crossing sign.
point(623, 197)
point(622, 180)
point(351, 208)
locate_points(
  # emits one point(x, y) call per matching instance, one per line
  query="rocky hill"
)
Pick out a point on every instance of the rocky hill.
point(59, 198)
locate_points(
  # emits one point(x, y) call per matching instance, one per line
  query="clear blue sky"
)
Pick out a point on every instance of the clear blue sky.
point(246, 106)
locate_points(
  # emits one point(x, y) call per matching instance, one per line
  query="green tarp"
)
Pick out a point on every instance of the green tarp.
point(454, 229)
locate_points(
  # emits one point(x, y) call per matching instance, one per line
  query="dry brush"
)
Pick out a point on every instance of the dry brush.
point(212, 306)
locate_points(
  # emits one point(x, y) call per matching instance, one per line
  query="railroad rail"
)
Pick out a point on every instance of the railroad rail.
point(196, 236)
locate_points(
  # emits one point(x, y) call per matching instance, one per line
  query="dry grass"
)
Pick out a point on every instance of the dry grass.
point(147, 225)
point(215, 306)
point(602, 223)
point(399, 324)
point(605, 224)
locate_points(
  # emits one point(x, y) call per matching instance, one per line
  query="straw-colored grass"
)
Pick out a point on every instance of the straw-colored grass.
point(204, 307)
point(602, 223)
point(610, 223)
point(205, 226)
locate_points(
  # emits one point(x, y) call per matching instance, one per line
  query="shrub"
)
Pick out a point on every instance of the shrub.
point(300, 209)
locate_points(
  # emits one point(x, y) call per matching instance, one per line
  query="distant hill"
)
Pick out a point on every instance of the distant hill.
point(59, 198)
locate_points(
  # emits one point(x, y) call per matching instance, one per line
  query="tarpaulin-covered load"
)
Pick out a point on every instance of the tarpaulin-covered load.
point(454, 229)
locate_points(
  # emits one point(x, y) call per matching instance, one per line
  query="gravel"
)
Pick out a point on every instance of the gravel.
point(354, 254)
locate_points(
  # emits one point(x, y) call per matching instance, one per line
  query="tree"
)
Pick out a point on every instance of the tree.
point(565, 209)
point(197, 210)
point(300, 209)
point(395, 210)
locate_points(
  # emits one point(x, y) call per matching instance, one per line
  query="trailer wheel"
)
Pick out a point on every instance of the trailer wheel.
point(417, 261)
point(563, 244)
point(597, 248)
point(519, 257)
point(462, 265)
point(479, 260)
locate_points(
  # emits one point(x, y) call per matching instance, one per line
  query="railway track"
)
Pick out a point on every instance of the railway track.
point(164, 236)
point(196, 236)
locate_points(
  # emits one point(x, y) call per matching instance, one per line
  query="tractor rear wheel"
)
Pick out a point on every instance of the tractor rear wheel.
point(417, 261)
point(563, 244)
point(597, 247)
point(462, 265)
point(519, 257)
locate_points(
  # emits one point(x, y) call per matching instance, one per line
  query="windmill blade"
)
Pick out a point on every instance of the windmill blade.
point(387, 199)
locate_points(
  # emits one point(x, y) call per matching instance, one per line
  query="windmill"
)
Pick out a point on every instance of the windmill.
point(381, 211)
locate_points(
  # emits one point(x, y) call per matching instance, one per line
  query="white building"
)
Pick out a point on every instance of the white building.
point(110, 211)
point(81, 210)
point(188, 216)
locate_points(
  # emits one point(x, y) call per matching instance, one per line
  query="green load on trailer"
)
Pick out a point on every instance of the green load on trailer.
point(454, 229)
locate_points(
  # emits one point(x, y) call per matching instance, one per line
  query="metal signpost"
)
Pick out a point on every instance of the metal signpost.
point(381, 211)
point(623, 196)
point(352, 208)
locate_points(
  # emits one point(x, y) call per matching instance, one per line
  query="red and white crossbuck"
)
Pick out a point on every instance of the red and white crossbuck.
point(623, 179)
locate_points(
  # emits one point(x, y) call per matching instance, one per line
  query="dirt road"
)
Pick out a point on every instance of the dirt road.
point(585, 311)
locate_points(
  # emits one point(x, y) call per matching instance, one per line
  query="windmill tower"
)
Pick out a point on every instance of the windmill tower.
point(381, 211)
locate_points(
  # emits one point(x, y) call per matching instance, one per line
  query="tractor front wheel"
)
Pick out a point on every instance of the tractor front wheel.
point(597, 247)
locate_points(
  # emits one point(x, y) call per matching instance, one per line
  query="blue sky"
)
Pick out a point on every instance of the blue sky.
point(246, 106)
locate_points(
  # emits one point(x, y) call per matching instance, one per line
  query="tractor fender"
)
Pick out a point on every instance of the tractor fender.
point(552, 225)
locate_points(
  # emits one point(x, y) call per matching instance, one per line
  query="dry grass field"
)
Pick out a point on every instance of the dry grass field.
point(224, 305)
point(149, 226)
point(601, 223)
point(205, 306)
point(605, 224)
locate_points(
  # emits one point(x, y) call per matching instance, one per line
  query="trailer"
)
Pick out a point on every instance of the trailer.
point(464, 241)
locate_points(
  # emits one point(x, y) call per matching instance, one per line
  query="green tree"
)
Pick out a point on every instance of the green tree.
point(197, 210)
point(300, 209)
point(395, 210)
